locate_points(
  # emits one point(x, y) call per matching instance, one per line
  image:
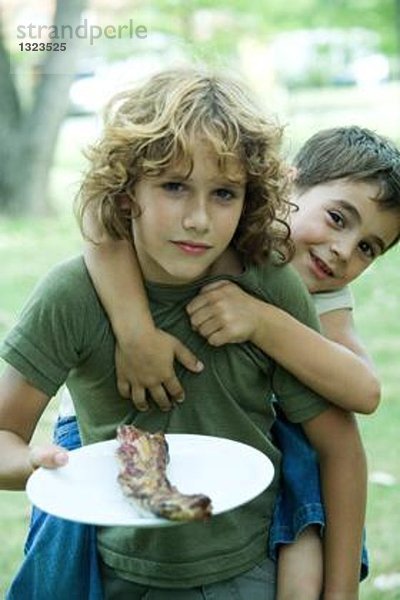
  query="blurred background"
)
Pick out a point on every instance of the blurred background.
point(313, 63)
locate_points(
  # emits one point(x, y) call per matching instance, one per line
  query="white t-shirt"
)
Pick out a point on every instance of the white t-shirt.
point(338, 299)
point(66, 408)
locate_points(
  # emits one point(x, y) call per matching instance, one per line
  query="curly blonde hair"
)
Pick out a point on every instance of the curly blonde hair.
point(150, 128)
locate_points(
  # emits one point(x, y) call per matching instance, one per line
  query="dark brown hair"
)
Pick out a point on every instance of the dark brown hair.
point(355, 153)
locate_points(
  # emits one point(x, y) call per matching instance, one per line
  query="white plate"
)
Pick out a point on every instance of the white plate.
point(86, 489)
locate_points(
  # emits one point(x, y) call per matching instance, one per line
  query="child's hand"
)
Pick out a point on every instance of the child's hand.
point(223, 313)
point(49, 456)
point(147, 363)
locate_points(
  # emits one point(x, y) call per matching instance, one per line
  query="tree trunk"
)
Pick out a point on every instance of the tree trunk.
point(28, 137)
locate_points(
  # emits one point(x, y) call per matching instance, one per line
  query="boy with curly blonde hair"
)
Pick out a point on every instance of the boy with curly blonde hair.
point(187, 168)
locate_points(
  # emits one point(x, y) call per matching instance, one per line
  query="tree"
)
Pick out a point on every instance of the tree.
point(28, 134)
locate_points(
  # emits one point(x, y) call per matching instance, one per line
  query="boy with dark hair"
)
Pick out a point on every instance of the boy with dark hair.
point(347, 194)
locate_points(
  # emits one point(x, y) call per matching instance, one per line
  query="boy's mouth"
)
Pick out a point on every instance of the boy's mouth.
point(193, 248)
point(320, 268)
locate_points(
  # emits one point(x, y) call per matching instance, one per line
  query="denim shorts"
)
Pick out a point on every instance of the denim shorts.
point(61, 560)
point(299, 503)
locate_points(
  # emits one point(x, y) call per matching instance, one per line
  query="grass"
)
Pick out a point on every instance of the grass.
point(28, 249)
point(377, 306)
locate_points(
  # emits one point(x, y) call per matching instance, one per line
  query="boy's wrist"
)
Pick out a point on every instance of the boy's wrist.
point(266, 319)
point(135, 330)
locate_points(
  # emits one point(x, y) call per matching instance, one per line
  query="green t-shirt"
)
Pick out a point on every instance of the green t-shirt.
point(63, 335)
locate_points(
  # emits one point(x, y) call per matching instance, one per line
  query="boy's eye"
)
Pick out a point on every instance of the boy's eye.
point(337, 218)
point(173, 186)
point(367, 249)
point(224, 194)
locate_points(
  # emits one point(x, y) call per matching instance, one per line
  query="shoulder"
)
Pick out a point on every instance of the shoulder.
point(65, 277)
point(65, 297)
point(282, 286)
point(59, 327)
point(336, 300)
point(67, 284)
point(282, 277)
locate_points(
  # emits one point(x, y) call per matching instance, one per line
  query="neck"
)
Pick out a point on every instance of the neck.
point(228, 263)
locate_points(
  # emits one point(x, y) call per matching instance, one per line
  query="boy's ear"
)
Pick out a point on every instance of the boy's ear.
point(125, 202)
point(292, 174)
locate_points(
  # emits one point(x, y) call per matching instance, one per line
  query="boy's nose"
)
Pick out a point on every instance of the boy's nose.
point(196, 216)
point(343, 248)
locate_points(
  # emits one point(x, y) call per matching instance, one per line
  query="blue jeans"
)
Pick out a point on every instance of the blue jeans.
point(61, 560)
point(299, 502)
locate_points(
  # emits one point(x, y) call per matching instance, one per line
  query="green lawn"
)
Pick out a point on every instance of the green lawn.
point(376, 315)
point(28, 249)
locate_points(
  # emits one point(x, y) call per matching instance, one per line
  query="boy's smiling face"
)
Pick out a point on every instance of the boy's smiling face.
point(338, 232)
point(187, 222)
